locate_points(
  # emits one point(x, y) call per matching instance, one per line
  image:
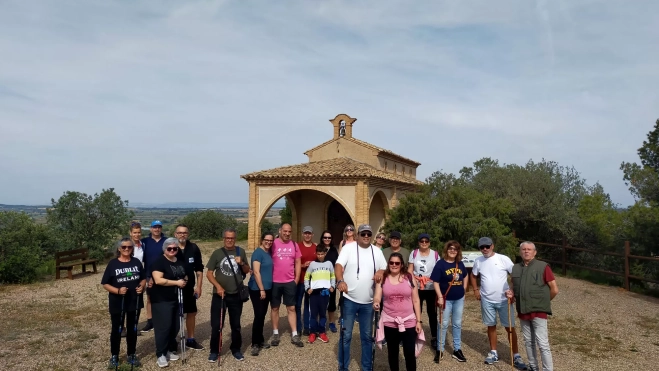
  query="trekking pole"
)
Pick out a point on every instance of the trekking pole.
point(376, 325)
point(440, 313)
point(342, 328)
point(510, 336)
point(181, 325)
point(219, 353)
point(121, 324)
point(137, 318)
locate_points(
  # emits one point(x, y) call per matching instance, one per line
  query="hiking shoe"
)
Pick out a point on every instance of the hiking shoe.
point(192, 344)
point(148, 327)
point(274, 340)
point(332, 327)
point(491, 358)
point(323, 337)
point(264, 346)
point(114, 362)
point(238, 356)
point(438, 356)
point(312, 338)
point(133, 360)
point(212, 358)
point(519, 363)
point(162, 362)
point(172, 356)
point(305, 332)
point(295, 340)
point(255, 350)
point(459, 356)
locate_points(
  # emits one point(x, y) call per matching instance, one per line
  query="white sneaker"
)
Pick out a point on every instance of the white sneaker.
point(162, 362)
point(171, 356)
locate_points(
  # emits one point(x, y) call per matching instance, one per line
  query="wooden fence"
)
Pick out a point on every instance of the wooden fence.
point(626, 256)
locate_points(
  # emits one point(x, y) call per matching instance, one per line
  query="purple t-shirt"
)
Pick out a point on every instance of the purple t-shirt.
point(283, 261)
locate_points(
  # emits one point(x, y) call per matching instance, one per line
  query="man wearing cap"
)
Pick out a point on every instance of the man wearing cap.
point(532, 297)
point(357, 269)
point(308, 251)
point(152, 246)
point(395, 246)
point(494, 269)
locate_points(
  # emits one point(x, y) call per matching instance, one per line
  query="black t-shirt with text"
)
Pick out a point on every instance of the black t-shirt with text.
point(119, 274)
point(170, 271)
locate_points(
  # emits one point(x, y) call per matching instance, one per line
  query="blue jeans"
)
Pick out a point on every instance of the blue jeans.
point(364, 313)
point(454, 309)
point(300, 296)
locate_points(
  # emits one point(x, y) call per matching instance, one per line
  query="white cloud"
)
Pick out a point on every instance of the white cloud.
point(112, 94)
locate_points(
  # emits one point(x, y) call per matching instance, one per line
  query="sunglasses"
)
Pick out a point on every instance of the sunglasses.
point(485, 247)
point(452, 249)
point(327, 238)
point(366, 234)
point(135, 225)
point(125, 247)
point(170, 249)
point(395, 264)
point(380, 237)
point(349, 230)
point(424, 241)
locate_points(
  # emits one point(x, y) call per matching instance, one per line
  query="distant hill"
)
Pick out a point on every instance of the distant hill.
point(165, 205)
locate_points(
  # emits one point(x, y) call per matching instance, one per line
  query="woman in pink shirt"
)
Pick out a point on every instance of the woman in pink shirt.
point(401, 313)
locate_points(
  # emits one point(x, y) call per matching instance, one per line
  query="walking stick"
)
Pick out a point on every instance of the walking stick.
point(181, 325)
point(376, 326)
point(121, 325)
point(137, 318)
point(219, 353)
point(510, 336)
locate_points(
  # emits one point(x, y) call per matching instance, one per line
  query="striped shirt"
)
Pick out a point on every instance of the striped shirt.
point(320, 275)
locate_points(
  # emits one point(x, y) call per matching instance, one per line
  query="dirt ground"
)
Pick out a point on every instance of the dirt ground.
point(64, 325)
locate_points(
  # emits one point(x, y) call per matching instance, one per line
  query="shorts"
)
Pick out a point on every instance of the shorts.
point(287, 290)
point(489, 312)
point(332, 302)
point(189, 301)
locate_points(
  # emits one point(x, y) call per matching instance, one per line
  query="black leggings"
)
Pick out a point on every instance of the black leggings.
point(394, 337)
point(430, 298)
point(115, 335)
point(260, 311)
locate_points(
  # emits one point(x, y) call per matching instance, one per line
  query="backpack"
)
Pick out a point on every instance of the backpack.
point(417, 250)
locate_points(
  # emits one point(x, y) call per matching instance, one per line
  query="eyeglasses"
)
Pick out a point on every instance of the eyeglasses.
point(229, 238)
point(485, 247)
point(424, 241)
point(123, 247)
point(349, 230)
point(395, 264)
point(268, 241)
point(327, 238)
point(366, 234)
point(182, 233)
point(170, 249)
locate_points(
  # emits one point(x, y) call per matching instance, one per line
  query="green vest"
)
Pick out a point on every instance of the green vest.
point(531, 291)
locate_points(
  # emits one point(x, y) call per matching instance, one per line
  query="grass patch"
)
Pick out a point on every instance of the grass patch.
point(581, 338)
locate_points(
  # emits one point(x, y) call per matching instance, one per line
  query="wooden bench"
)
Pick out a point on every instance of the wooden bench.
point(69, 259)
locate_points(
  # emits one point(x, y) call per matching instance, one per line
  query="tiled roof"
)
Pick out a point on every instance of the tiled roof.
point(368, 145)
point(342, 167)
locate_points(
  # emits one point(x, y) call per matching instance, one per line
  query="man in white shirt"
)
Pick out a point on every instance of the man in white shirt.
point(358, 268)
point(493, 269)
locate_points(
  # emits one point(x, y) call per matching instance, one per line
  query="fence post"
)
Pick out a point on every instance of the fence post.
point(564, 257)
point(627, 265)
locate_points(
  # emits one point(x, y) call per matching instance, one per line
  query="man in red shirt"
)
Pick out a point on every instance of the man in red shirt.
point(533, 287)
point(308, 250)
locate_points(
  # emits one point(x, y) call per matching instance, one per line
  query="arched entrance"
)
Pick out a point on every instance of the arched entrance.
point(337, 219)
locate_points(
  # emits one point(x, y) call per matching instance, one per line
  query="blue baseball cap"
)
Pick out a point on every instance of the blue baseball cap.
point(155, 223)
point(424, 235)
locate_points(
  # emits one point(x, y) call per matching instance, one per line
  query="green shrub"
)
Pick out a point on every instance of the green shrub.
point(20, 265)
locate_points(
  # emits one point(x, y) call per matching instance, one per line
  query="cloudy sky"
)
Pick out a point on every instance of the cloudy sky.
point(171, 101)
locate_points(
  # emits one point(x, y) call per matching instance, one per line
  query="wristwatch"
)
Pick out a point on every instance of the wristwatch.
point(339, 282)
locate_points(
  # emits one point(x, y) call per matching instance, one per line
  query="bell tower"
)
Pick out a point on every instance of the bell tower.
point(343, 126)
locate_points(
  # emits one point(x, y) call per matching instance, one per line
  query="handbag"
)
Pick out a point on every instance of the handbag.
point(243, 291)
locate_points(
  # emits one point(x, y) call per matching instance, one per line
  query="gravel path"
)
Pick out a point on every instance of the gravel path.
point(64, 325)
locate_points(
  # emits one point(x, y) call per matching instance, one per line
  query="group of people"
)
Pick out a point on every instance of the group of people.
point(379, 286)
